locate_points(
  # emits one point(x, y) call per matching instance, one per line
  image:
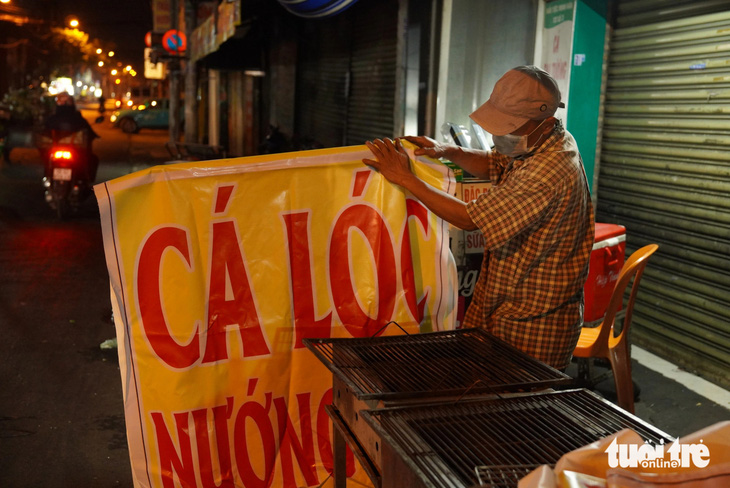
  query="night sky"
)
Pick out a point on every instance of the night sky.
point(122, 22)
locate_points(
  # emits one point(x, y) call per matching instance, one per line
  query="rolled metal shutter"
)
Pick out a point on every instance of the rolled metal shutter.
point(372, 93)
point(324, 60)
point(346, 84)
point(665, 173)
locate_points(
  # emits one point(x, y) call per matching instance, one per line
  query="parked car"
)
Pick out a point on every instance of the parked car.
point(154, 114)
point(22, 113)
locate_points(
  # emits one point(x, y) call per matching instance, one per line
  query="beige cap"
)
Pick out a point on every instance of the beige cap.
point(523, 93)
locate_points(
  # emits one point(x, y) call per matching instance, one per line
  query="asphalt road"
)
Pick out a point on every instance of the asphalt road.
point(61, 409)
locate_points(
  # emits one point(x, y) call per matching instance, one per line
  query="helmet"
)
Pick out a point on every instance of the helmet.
point(64, 98)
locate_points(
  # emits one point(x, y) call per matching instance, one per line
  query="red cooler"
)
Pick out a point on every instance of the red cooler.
point(607, 259)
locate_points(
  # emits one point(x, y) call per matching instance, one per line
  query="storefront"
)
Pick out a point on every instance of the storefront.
point(664, 173)
point(650, 117)
point(316, 82)
point(644, 86)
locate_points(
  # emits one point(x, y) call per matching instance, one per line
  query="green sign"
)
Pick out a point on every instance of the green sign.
point(558, 12)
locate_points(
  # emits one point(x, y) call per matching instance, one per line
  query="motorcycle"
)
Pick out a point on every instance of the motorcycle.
point(68, 179)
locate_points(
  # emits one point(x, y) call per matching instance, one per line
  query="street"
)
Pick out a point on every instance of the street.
point(61, 410)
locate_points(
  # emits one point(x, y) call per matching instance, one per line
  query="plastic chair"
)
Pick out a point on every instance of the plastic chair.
point(602, 342)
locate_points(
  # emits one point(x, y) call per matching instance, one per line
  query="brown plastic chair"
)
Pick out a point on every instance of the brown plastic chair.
point(602, 342)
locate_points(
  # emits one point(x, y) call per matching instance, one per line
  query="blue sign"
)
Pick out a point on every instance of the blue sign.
point(174, 41)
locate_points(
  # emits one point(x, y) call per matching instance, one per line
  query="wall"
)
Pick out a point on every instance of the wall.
point(480, 42)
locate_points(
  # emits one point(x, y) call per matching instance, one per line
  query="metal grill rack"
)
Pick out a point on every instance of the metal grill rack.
point(433, 364)
point(495, 442)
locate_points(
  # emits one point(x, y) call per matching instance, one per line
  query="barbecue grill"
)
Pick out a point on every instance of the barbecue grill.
point(392, 371)
point(492, 442)
point(432, 364)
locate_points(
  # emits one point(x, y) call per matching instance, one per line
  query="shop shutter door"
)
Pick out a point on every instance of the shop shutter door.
point(323, 65)
point(372, 84)
point(665, 173)
point(346, 83)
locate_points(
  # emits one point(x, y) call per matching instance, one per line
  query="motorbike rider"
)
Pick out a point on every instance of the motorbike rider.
point(68, 119)
point(102, 109)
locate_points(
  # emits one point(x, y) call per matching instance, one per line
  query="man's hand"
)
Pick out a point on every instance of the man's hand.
point(429, 147)
point(393, 163)
point(390, 160)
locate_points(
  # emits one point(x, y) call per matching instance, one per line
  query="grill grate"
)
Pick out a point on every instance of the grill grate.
point(502, 476)
point(432, 364)
point(496, 442)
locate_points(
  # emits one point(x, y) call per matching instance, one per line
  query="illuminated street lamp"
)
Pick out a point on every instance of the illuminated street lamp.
point(98, 51)
point(111, 54)
point(100, 64)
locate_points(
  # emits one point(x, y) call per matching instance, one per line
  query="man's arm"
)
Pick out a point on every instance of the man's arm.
point(394, 164)
point(474, 161)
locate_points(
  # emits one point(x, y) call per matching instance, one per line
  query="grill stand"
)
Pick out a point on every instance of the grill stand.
point(343, 437)
point(374, 455)
point(350, 429)
point(373, 374)
point(393, 463)
point(353, 431)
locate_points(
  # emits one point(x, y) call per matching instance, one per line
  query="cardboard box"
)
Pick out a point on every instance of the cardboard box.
point(607, 259)
point(467, 247)
point(474, 240)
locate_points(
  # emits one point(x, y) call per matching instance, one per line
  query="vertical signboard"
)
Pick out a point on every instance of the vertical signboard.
point(557, 45)
point(161, 15)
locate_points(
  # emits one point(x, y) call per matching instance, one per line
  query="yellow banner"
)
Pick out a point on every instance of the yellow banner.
point(219, 269)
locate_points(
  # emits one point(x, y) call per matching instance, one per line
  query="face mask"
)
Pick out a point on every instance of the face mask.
point(514, 146)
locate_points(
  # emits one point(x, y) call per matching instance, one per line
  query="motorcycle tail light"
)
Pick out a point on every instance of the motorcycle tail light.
point(64, 158)
point(62, 155)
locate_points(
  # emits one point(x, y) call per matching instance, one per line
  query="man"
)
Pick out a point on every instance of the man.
point(67, 119)
point(102, 109)
point(537, 218)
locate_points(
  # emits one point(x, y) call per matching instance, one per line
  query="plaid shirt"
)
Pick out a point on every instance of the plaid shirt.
point(537, 221)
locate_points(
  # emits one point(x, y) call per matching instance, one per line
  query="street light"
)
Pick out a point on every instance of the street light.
point(72, 21)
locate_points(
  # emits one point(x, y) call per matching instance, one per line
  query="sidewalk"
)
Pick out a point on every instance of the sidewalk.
point(672, 400)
